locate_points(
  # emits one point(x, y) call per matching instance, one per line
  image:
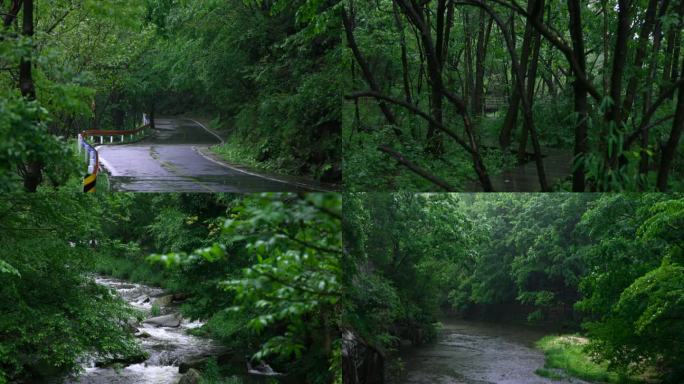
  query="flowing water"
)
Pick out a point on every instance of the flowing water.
point(477, 353)
point(167, 346)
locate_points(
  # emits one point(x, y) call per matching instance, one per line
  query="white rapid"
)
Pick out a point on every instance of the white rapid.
point(167, 346)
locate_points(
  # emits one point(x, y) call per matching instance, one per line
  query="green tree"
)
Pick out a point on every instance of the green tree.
point(274, 271)
point(53, 313)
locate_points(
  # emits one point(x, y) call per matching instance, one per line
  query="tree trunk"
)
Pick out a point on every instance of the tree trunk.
point(671, 63)
point(435, 145)
point(11, 13)
point(667, 65)
point(648, 94)
point(614, 113)
point(657, 43)
point(644, 34)
point(580, 98)
point(361, 363)
point(550, 85)
point(511, 119)
point(671, 147)
point(404, 54)
point(606, 46)
point(528, 119)
point(447, 32)
point(469, 73)
point(418, 17)
point(25, 75)
point(531, 81)
point(675, 55)
point(433, 56)
point(32, 172)
point(441, 39)
point(484, 29)
point(365, 69)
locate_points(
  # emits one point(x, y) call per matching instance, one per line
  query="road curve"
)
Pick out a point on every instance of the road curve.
point(171, 160)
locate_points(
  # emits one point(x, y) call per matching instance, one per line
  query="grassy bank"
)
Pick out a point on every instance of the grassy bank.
point(241, 149)
point(283, 155)
point(240, 153)
point(566, 357)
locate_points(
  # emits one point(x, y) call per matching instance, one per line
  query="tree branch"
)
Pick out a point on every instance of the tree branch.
point(415, 110)
point(325, 210)
point(664, 96)
point(557, 41)
point(416, 169)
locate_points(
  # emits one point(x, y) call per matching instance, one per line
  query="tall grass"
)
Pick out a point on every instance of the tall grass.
point(132, 270)
point(566, 356)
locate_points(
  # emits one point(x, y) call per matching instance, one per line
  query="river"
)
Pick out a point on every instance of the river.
point(477, 353)
point(167, 346)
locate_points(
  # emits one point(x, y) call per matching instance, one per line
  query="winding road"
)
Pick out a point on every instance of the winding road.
point(175, 158)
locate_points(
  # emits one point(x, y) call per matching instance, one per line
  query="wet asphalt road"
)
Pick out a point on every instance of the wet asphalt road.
point(170, 160)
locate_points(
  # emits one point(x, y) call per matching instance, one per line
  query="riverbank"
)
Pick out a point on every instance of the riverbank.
point(566, 357)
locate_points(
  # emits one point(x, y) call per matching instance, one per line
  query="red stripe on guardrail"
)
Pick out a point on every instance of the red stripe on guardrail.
point(93, 132)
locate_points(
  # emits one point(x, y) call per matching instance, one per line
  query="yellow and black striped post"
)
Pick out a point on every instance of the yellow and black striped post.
point(89, 182)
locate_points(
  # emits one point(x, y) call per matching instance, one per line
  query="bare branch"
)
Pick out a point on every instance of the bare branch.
point(415, 110)
point(416, 169)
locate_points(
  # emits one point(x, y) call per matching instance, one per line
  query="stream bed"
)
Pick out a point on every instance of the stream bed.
point(469, 352)
point(167, 346)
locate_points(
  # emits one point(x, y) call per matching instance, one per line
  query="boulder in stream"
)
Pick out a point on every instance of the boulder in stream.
point(191, 377)
point(163, 301)
point(262, 369)
point(143, 335)
point(123, 361)
point(187, 365)
point(171, 321)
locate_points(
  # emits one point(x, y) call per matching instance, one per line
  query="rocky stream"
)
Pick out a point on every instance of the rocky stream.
point(171, 348)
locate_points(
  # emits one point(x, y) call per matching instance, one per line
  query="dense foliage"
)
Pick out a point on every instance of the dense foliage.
point(52, 313)
point(267, 72)
point(445, 94)
point(270, 281)
point(59, 66)
point(610, 263)
point(261, 270)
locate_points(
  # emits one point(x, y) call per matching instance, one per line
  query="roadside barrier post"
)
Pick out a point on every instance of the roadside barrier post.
point(90, 178)
point(89, 183)
point(91, 155)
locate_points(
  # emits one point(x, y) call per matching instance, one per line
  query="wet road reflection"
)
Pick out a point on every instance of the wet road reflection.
point(172, 160)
